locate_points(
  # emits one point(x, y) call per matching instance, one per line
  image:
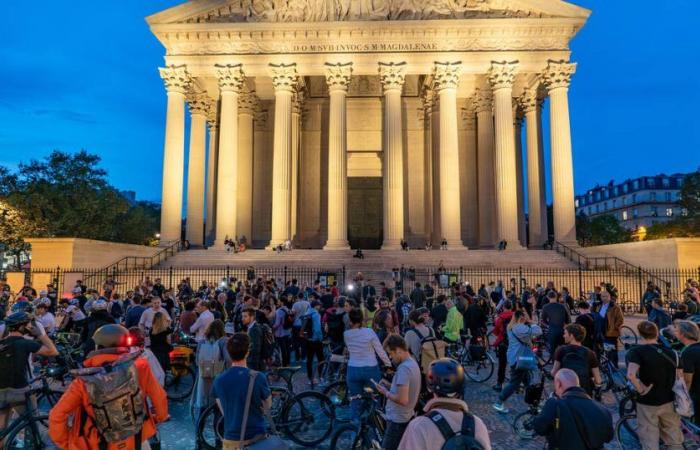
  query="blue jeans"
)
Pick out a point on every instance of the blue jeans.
point(517, 377)
point(357, 379)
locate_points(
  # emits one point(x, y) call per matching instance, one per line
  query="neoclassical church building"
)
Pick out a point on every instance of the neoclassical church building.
point(359, 123)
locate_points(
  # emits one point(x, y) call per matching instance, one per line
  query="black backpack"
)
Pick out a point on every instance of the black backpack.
point(336, 326)
point(307, 326)
point(464, 439)
point(288, 321)
point(576, 359)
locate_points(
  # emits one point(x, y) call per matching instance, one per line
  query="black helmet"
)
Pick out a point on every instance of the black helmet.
point(16, 320)
point(445, 377)
point(110, 335)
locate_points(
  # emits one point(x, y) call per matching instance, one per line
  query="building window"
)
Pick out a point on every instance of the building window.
point(678, 195)
point(624, 201)
point(650, 182)
point(605, 206)
point(597, 196)
point(665, 182)
point(635, 184)
point(625, 188)
point(668, 196)
point(589, 210)
point(616, 190)
point(635, 213)
point(624, 215)
point(597, 208)
point(669, 212)
point(654, 211)
point(634, 198)
point(652, 196)
point(684, 212)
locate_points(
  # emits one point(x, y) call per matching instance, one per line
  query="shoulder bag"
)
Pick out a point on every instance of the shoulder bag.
point(526, 359)
point(266, 441)
point(682, 403)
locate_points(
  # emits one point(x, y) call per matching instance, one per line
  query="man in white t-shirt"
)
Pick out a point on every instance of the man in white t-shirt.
point(199, 327)
point(146, 321)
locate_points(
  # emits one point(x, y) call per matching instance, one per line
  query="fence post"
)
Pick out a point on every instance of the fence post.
point(344, 280)
point(641, 289)
point(520, 280)
point(461, 274)
point(228, 274)
point(285, 275)
point(170, 277)
point(580, 281)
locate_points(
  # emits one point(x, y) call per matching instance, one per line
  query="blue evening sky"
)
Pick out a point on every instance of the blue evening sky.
point(83, 74)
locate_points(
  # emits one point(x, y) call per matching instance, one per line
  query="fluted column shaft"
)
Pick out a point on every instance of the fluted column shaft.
point(177, 82)
point(297, 104)
point(446, 78)
point(196, 171)
point(211, 178)
point(536, 203)
point(337, 77)
point(501, 77)
point(231, 80)
point(435, 148)
point(428, 167)
point(519, 179)
point(557, 78)
point(392, 78)
point(485, 150)
point(246, 107)
point(284, 80)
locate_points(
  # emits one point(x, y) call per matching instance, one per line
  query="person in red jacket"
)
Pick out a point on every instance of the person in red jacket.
point(500, 330)
point(111, 342)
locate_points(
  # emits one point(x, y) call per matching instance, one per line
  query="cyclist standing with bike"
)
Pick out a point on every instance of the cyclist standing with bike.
point(612, 314)
point(24, 339)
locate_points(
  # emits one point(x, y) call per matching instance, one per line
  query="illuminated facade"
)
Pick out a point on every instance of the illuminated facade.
point(364, 122)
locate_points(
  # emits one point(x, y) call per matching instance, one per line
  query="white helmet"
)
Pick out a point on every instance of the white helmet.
point(42, 302)
point(99, 304)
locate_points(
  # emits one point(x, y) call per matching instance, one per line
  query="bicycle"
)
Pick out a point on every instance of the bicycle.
point(283, 377)
point(522, 423)
point(180, 379)
point(29, 430)
point(628, 336)
point(614, 379)
point(370, 433)
point(478, 363)
point(306, 418)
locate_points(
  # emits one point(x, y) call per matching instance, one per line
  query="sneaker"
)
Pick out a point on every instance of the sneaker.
point(501, 408)
point(498, 388)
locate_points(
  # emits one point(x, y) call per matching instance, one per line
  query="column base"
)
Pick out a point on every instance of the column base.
point(391, 244)
point(273, 244)
point(340, 244)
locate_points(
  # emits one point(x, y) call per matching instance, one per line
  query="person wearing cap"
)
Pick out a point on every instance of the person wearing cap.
point(74, 317)
point(71, 420)
point(445, 380)
point(79, 294)
point(99, 316)
point(44, 316)
point(24, 338)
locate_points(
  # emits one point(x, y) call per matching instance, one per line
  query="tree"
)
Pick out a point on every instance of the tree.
point(68, 195)
point(14, 227)
point(690, 194)
point(601, 230)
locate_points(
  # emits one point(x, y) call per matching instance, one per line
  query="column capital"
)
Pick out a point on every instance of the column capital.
point(427, 100)
point(529, 100)
point(558, 74)
point(517, 113)
point(392, 75)
point(338, 76)
point(247, 103)
point(230, 76)
point(198, 102)
point(260, 117)
point(176, 78)
point(483, 100)
point(501, 75)
point(298, 101)
point(446, 75)
point(284, 76)
point(469, 114)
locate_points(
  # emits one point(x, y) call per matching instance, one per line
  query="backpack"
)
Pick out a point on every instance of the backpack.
point(8, 360)
point(288, 321)
point(267, 346)
point(115, 396)
point(431, 348)
point(307, 327)
point(575, 359)
point(210, 360)
point(692, 307)
point(336, 326)
point(464, 439)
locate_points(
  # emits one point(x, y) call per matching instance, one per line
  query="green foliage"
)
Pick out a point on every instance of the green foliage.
point(14, 227)
point(601, 230)
point(67, 195)
point(690, 194)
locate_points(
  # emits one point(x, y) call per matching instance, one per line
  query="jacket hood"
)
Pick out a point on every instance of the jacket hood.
point(103, 356)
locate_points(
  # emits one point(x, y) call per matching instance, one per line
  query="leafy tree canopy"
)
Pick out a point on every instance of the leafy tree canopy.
point(68, 195)
point(601, 230)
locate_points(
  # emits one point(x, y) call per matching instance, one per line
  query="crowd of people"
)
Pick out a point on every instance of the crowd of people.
point(394, 340)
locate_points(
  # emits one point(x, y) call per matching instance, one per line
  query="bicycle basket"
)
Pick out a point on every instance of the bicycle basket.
point(533, 394)
point(181, 355)
point(477, 352)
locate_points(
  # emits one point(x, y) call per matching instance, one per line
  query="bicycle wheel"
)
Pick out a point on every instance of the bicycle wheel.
point(47, 400)
point(33, 434)
point(627, 407)
point(626, 433)
point(346, 437)
point(628, 336)
point(519, 425)
point(179, 383)
point(307, 418)
point(479, 370)
point(210, 429)
point(337, 393)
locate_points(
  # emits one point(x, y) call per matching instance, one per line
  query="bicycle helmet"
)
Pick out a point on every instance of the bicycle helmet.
point(110, 335)
point(16, 320)
point(42, 302)
point(99, 305)
point(21, 306)
point(445, 377)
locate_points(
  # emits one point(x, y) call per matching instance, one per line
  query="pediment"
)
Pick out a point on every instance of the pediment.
point(288, 11)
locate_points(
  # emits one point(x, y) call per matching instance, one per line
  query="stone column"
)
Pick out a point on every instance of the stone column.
point(392, 78)
point(536, 203)
point(231, 79)
point(468, 176)
point(501, 76)
point(196, 171)
point(284, 80)
point(556, 79)
point(247, 103)
point(435, 148)
point(517, 124)
point(297, 107)
point(445, 81)
point(212, 118)
point(484, 112)
point(427, 99)
point(177, 82)
point(337, 78)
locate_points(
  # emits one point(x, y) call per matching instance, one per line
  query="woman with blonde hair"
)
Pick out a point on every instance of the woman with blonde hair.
point(160, 339)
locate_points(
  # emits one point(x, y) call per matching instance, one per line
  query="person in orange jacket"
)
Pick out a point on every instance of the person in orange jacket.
point(111, 342)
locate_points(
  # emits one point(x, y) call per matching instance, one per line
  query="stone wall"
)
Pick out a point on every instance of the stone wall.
point(683, 253)
point(49, 253)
